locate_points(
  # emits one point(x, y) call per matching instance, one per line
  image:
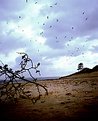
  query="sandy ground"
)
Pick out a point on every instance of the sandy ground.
point(69, 99)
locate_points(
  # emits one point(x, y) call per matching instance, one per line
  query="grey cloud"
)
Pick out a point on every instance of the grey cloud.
point(91, 25)
point(10, 43)
point(70, 14)
point(71, 50)
point(95, 49)
point(9, 9)
point(12, 5)
point(68, 24)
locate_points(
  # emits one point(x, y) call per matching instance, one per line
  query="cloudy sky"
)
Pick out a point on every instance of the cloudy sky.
point(57, 33)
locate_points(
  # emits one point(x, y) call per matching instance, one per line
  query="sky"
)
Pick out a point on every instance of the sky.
point(59, 34)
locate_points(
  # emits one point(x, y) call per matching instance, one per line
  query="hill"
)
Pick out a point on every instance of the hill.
point(84, 72)
point(95, 68)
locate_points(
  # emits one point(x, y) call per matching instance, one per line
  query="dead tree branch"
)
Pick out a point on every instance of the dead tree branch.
point(13, 82)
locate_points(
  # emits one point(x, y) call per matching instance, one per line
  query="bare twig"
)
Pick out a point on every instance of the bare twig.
point(12, 86)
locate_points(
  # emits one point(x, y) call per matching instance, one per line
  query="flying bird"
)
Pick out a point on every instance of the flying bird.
point(50, 26)
point(41, 33)
point(35, 2)
point(55, 4)
point(47, 17)
point(83, 13)
point(19, 16)
point(67, 44)
point(72, 27)
point(57, 20)
point(26, 1)
point(86, 18)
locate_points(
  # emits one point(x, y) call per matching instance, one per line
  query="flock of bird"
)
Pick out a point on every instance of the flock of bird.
point(57, 20)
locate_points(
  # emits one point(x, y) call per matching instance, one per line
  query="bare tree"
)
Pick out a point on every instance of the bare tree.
point(13, 82)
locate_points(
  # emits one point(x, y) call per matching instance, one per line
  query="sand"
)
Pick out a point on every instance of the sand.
point(70, 99)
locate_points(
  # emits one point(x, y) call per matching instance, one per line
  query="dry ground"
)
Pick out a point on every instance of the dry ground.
point(70, 99)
